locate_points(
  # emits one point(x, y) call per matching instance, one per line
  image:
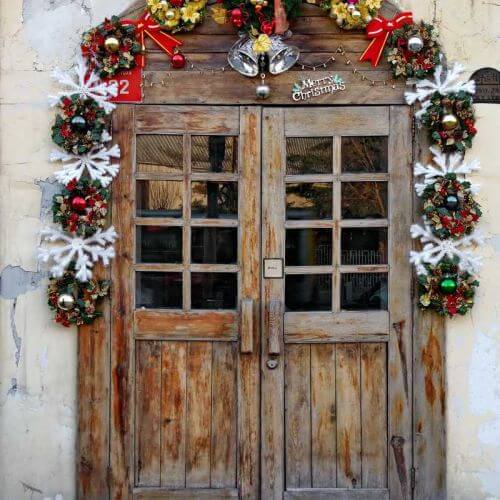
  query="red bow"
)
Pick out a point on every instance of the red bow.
point(379, 29)
point(146, 26)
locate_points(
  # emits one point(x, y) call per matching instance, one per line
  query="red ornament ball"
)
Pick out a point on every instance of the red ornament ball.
point(267, 27)
point(236, 18)
point(78, 204)
point(178, 61)
point(176, 3)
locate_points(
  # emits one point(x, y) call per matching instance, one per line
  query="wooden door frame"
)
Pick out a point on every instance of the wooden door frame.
point(102, 419)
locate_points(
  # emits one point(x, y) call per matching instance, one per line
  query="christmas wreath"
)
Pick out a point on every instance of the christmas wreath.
point(352, 14)
point(80, 126)
point(75, 302)
point(450, 207)
point(81, 208)
point(413, 50)
point(446, 289)
point(177, 15)
point(111, 47)
point(451, 121)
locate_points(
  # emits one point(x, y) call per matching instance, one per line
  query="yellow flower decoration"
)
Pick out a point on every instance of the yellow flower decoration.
point(219, 14)
point(155, 6)
point(352, 18)
point(262, 44)
point(199, 4)
point(373, 4)
point(190, 13)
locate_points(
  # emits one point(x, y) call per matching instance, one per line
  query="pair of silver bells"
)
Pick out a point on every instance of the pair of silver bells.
point(244, 60)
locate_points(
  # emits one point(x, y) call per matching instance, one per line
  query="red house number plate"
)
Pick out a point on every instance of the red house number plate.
point(129, 86)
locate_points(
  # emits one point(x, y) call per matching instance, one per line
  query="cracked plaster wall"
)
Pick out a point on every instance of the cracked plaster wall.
point(38, 359)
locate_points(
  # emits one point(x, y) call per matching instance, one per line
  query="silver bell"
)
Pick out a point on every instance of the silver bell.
point(281, 56)
point(243, 59)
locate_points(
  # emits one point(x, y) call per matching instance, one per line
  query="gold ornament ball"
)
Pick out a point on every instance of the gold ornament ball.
point(164, 4)
point(112, 44)
point(66, 302)
point(356, 14)
point(449, 121)
point(170, 15)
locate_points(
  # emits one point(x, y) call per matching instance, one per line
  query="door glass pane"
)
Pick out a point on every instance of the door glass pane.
point(364, 246)
point(214, 153)
point(156, 290)
point(364, 154)
point(159, 199)
point(215, 200)
point(308, 247)
point(364, 200)
point(308, 292)
point(364, 291)
point(309, 155)
point(159, 244)
point(214, 290)
point(309, 201)
point(160, 154)
point(214, 245)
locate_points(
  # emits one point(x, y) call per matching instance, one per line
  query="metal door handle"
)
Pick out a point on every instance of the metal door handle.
point(275, 322)
point(246, 342)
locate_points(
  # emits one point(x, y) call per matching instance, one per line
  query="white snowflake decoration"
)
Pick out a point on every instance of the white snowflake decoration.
point(84, 252)
point(88, 85)
point(444, 164)
point(445, 82)
point(436, 249)
point(97, 163)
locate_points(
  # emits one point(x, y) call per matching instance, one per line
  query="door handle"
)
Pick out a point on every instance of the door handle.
point(246, 342)
point(275, 323)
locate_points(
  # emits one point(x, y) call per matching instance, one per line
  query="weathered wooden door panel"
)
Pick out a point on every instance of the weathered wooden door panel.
point(337, 211)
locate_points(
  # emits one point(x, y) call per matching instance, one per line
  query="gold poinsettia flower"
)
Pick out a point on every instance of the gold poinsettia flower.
point(190, 13)
point(339, 12)
point(219, 14)
point(199, 4)
point(425, 300)
point(156, 6)
point(373, 4)
point(262, 44)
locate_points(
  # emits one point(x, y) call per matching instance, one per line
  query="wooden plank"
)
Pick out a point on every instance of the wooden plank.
point(224, 418)
point(198, 421)
point(93, 403)
point(324, 326)
point(233, 89)
point(184, 494)
point(348, 416)
point(249, 244)
point(147, 413)
point(122, 346)
point(298, 416)
point(374, 415)
point(247, 326)
point(173, 414)
point(400, 305)
point(214, 325)
point(323, 416)
point(192, 119)
point(336, 494)
point(321, 122)
point(273, 215)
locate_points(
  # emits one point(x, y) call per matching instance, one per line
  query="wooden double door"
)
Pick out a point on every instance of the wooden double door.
point(261, 330)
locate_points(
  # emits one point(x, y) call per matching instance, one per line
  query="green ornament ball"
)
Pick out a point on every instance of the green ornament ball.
point(448, 286)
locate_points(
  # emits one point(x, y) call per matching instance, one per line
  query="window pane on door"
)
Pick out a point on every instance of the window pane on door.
point(364, 154)
point(309, 155)
point(159, 198)
point(308, 292)
point(364, 246)
point(214, 290)
point(214, 200)
point(214, 245)
point(160, 154)
point(308, 247)
point(157, 290)
point(364, 200)
point(158, 244)
point(364, 291)
point(214, 153)
point(309, 201)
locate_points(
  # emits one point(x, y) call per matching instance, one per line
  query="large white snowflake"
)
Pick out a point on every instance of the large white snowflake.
point(445, 82)
point(84, 252)
point(97, 163)
point(434, 250)
point(79, 80)
point(444, 164)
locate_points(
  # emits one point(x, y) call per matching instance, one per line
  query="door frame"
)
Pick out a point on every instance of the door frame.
point(96, 377)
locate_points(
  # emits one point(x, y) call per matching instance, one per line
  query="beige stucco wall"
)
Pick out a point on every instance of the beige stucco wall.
point(38, 359)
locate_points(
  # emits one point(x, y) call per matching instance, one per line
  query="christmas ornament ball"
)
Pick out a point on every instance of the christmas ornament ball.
point(170, 15)
point(449, 121)
point(177, 3)
point(451, 202)
point(78, 203)
point(263, 91)
point(415, 44)
point(112, 44)
point(178, 61)
point(78, 124)
point(448, 286)
point(66, 302)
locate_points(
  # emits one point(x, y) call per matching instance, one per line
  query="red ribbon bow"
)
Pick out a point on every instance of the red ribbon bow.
point(379, 29)
point(146, 26)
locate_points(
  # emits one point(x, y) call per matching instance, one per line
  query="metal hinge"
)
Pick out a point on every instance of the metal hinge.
point(413, 479)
